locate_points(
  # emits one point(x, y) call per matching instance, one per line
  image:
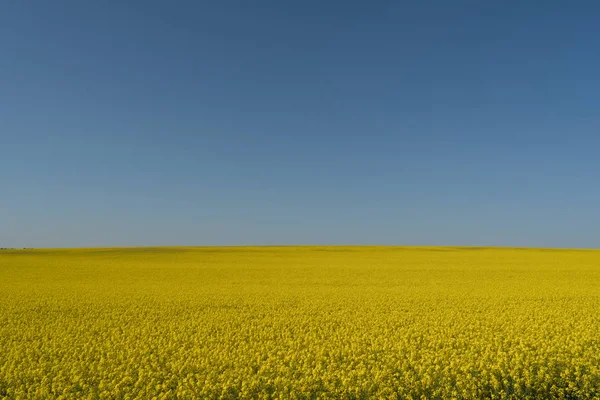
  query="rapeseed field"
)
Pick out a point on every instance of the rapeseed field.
point(300, 323)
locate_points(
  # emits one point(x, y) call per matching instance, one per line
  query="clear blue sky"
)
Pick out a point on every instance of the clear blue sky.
point(270, 122)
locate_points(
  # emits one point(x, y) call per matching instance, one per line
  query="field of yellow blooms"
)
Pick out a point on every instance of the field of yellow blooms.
point(300, 323)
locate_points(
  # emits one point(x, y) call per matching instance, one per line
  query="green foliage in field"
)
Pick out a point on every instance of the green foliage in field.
point(300, 323)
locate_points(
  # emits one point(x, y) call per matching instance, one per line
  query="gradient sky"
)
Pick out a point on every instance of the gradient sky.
point(270, 122)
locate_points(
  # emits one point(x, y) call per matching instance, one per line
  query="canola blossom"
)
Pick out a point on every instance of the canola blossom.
point(300, 323)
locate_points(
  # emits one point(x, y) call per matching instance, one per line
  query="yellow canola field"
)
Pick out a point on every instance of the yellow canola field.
point(300, 323)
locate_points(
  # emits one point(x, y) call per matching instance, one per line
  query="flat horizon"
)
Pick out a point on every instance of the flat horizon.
point(470, 247)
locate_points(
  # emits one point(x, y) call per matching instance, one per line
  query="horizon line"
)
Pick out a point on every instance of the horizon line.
point(471, 247)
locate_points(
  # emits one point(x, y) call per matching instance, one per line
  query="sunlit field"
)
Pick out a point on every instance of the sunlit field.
point(300, 323)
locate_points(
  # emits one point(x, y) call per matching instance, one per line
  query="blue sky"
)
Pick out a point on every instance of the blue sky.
point(268, 122)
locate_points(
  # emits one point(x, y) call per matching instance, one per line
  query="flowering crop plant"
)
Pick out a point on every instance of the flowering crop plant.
point(300, 322)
